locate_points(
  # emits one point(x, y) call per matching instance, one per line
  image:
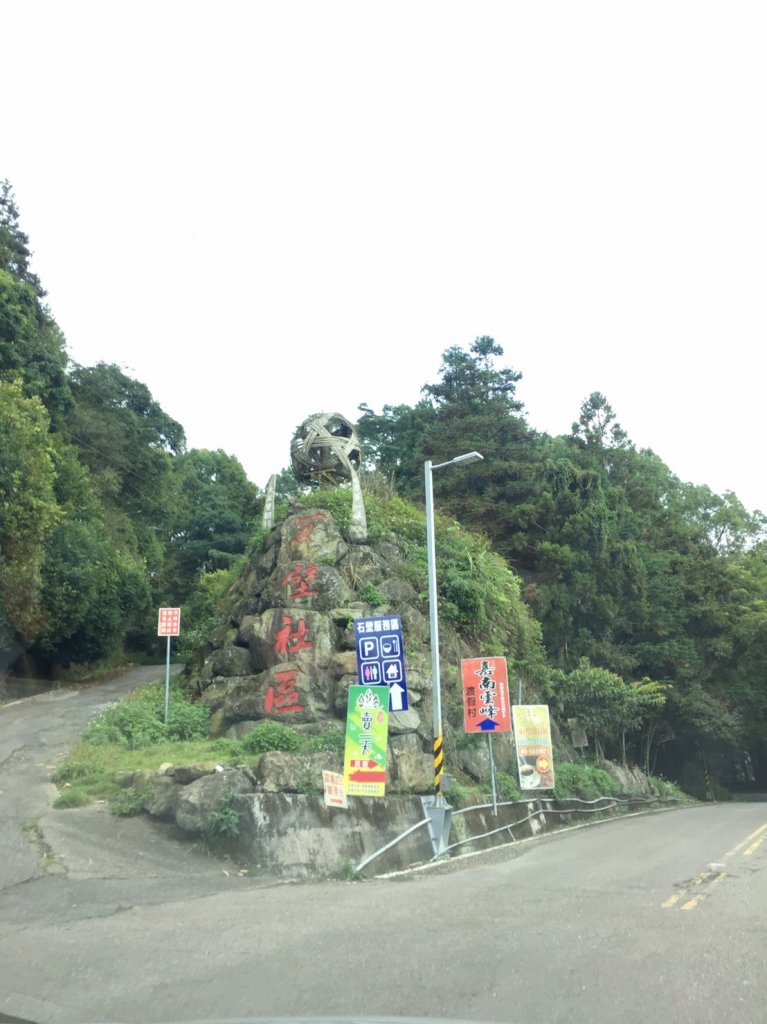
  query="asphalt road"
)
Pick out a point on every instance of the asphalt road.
point(658, 917)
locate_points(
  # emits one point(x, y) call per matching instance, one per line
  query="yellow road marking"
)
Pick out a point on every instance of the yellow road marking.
point(673, 899)
point(756, 839)
point(754, 846)
point(734, 850)
point(693, 903)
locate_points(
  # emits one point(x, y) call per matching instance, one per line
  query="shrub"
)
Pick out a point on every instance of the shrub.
point(582, 780)
point(132, 724)
point(371, 595)
point(138, 721)
point(187, 721)
point(127, 802)
point(330, 741)
point(507, 787)
point(271, 736)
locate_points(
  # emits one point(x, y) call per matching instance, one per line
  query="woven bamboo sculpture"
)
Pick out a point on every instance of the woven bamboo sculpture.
point(325, 450)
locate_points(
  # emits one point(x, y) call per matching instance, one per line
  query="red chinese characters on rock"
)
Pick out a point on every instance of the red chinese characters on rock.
point(284, 696)
point(299, 581)
point(289, 640)
point(307, 524)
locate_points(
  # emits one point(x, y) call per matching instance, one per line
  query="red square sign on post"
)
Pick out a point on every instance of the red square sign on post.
point(169, 622)
point(485, 695)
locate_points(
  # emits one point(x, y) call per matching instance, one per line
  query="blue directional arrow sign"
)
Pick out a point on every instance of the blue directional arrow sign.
point(381, 657)
point(487, 725)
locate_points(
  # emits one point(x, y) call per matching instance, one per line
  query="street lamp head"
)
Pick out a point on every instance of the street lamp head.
point(469, 457)
point(459, 460)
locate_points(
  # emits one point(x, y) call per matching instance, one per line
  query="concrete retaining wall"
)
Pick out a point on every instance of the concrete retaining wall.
point(295, 835)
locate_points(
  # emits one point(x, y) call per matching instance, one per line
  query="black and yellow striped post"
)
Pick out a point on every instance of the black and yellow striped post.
point(439, 762)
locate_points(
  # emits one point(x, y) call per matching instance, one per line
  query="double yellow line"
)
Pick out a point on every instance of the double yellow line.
point(761, 832)
point(714, 875)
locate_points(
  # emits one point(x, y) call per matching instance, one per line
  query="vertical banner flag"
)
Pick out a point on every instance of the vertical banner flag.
point(367, 732)
point(485, 695)
point(381, 657)
point(532, 736)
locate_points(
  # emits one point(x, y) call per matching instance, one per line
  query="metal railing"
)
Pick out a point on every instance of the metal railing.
point(588, 807)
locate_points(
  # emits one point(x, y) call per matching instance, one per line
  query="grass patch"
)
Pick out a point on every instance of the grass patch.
point(93, 771)
point(73, 796)
point(132, 737)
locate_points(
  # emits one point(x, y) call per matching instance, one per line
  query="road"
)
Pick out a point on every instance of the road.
point(624, 921)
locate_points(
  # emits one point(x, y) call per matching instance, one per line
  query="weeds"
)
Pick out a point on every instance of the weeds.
point(224, 820)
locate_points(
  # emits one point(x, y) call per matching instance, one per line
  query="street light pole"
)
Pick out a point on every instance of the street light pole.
point(436, 688)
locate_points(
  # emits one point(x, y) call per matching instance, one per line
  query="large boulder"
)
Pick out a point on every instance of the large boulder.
point(311, 535)
point(279, 634)
point(305, 585)
point(184, 774)
point(281, 772)
point(159, 796)
point(285, 693)
point(230, 660)
point(197, 801)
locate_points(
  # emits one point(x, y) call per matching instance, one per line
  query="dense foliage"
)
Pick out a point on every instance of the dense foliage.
point(104, 515)
point(651, 593)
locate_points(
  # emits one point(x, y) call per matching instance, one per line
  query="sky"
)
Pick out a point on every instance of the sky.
point(266, 209)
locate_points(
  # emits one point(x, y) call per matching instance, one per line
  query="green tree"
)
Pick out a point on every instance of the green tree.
point(126, 440)
point(94, 594)
point(605, 704)
point(28, 513)
point(14, 244)
point(215, 513)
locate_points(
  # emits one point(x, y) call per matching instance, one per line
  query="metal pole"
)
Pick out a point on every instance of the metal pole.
point(167, 680)
point(436, 692)
point(492, 773)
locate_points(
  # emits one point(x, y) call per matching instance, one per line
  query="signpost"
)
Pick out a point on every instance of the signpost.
point(381, 657)
point(532, 736)
point(367, 733)
point(486, 703)
point(333, 784)
point(168, 625)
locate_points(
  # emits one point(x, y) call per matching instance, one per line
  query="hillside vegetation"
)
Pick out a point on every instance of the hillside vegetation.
point(644, 597)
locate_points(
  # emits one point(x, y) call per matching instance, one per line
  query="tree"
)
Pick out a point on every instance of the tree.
point(214, 516)
point(14, 244)
point(32, 348)
point(28, 513)
point(597, 426)
point(94, 594)
point(605, 704)
point(126, 440)
point(470, 378)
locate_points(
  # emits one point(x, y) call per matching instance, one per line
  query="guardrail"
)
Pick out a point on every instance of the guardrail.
point(536, 816)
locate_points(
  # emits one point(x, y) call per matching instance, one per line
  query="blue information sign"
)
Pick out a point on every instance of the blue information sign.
point(381, 657)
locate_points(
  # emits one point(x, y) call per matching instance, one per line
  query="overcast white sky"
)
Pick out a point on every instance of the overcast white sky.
point(265, 209)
